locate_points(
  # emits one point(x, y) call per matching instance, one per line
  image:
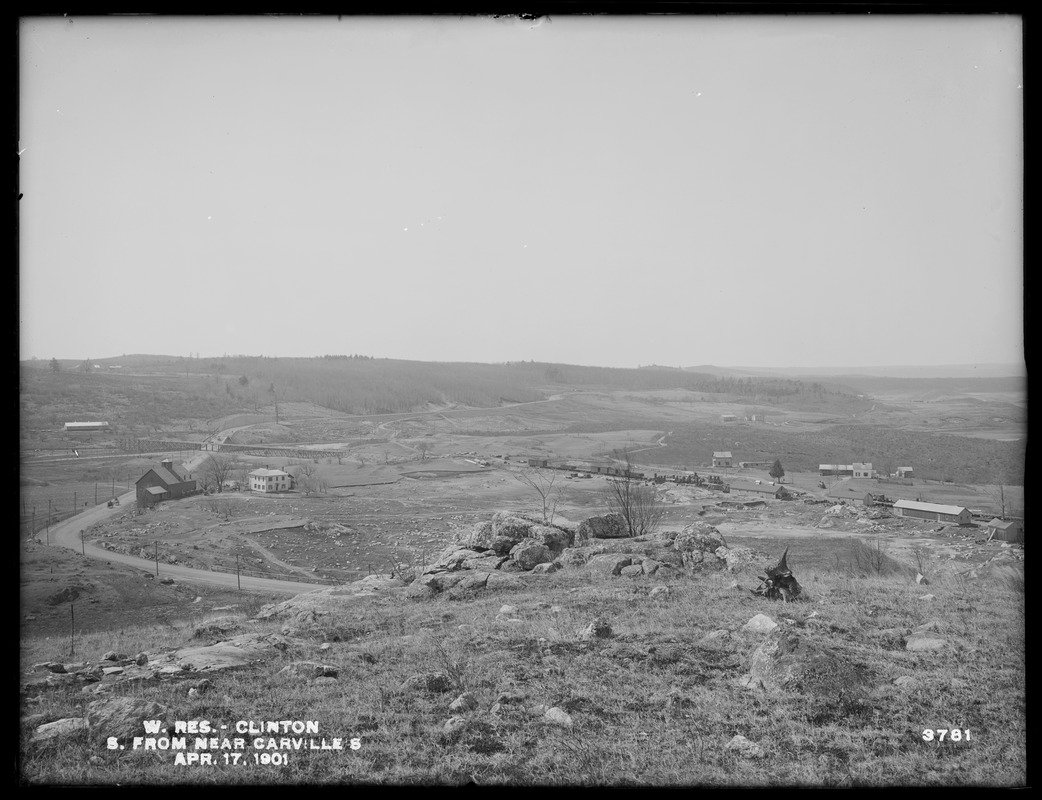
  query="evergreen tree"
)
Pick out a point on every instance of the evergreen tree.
point(777, 472)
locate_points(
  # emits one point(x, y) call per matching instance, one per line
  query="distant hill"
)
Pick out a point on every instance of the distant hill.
point(898, 371)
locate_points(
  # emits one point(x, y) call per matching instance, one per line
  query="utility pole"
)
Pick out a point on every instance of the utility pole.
point(83, 550)
point(157, 558)
point(238, 581)
point(95, 492)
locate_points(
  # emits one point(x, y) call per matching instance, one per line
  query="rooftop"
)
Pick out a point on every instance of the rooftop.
point(934, 507)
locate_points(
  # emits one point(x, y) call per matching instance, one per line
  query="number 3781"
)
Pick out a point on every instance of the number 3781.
point(951, 734)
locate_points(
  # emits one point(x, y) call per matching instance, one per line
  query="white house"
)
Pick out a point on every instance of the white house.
point(722, 458)
point(270, 480)
point(862, 470)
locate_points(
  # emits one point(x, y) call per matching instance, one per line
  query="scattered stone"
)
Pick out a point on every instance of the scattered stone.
point(572, 557)
point(60, 729)
point(507, 611)
point(309, 670)
point(546, 568)
point(744, 748)
point(659, 591)
point(632, 571)
point(761, 623)
point(454, 724)
point(465, 702)
point(787, 661)
point(907, 681)
point(141, 659)
point(121, 716)
point(715, 637)
point(926, 597)
point(558, 716)
point(50, 666)
point(66, 595)
point(239, 652)
point(528, 554)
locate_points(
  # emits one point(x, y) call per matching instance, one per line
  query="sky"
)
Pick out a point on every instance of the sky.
point(770, 191)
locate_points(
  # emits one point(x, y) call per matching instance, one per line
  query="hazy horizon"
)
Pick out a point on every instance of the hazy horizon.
point(988, 370)
point(611, 191)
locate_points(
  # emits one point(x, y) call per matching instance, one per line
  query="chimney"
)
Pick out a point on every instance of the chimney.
point(167, 464)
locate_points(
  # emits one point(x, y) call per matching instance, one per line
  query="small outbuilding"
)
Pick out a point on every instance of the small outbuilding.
point(722, 458)
point(1006, 530)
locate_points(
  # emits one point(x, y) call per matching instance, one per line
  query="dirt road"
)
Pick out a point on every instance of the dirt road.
point(67, 534)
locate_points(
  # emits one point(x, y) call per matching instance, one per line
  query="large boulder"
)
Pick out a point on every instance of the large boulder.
point(610, 526)
point(557, 539)
point(528, 553)
point(572, 557)
point(453, 558)
point(508, 530)
point(785, 661)
point(122, 717)
point(478, 537)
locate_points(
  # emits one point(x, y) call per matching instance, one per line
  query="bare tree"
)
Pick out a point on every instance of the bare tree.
point(637, 504)
point(543, 483)
point(307, 480)
point(424, 447)
point(215, 472)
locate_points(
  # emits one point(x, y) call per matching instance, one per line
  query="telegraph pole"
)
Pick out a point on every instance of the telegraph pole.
point(157, 558)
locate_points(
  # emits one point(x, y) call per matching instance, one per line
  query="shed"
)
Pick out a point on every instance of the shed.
point(1006, 530)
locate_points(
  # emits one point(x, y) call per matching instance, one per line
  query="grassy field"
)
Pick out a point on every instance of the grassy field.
point(654, 704)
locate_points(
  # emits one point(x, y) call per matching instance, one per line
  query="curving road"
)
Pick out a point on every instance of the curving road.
point(67, 534)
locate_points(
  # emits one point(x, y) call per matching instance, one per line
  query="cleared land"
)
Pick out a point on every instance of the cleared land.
point(656, 702)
